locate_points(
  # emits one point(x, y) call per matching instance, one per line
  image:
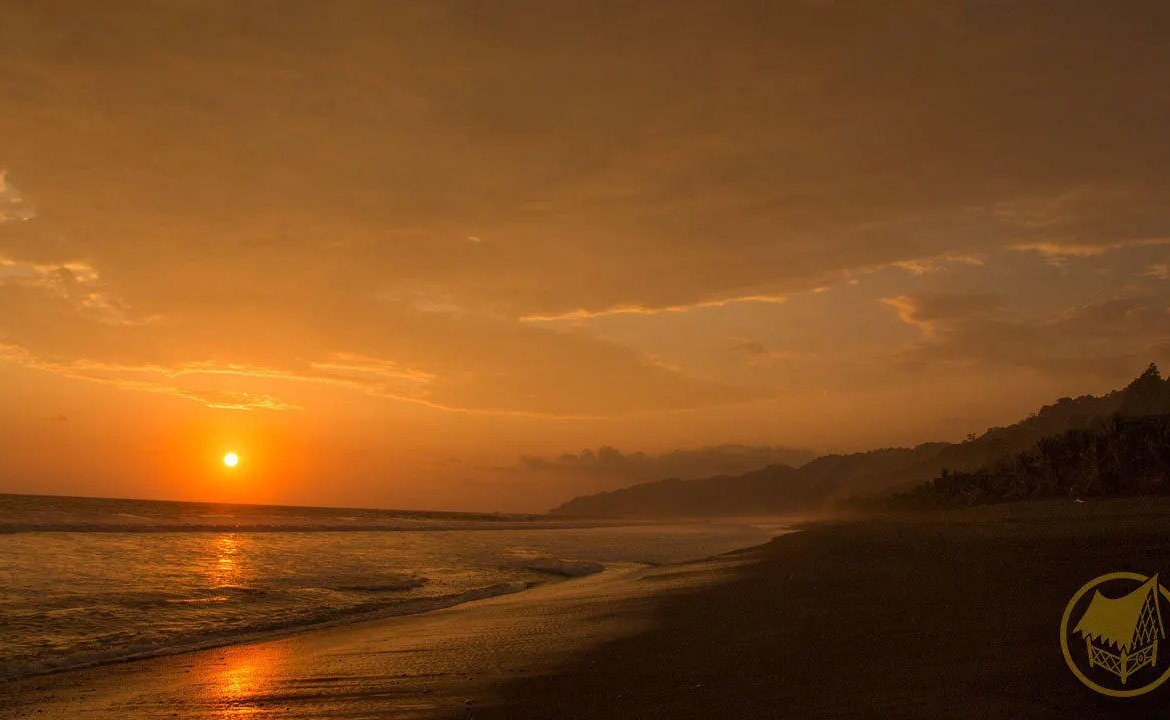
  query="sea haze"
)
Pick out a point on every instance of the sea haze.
point(93, 580)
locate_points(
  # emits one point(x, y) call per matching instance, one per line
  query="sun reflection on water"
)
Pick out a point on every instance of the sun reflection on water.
point(237, 684)
point(240, 683)
point(226, 569)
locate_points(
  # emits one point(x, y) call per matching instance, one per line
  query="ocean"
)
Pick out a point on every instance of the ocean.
point(85, 581)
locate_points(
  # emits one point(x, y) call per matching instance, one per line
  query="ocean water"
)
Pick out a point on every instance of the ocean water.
point(86, 580)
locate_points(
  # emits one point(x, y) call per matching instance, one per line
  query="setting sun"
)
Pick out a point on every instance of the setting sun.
point(231, 459)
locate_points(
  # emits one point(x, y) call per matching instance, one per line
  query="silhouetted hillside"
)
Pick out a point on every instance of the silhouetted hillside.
point(775, 488)
point(829, 479)
point(1125, 453)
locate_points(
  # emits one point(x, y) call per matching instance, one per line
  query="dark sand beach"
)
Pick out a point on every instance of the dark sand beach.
point(952, 615)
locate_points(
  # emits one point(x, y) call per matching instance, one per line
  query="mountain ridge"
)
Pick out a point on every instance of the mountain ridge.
point(829, 480)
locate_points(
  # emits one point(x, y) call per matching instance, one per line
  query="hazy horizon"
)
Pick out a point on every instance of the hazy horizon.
point(418, 256)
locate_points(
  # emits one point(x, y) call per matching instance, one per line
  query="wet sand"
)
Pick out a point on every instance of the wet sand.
point(947, 616)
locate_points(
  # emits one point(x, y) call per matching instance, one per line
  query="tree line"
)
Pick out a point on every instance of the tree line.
point(1124, 453)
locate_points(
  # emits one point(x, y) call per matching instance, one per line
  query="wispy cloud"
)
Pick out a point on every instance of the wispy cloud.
point(1160, 271)
point(1057, 249)
point(925, 312)
point(75, 281)
point(13, 204)
point(1099, 339)
point(116, 376)
point(757, 354)
point(928, 265)
point(371, 376)
point(614, 467)
point(636, 309)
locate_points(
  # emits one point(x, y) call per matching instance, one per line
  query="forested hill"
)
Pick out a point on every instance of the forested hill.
point(1121, 454)
point(822, 483)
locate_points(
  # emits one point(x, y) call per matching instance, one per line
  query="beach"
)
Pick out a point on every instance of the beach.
point(953, 614)
point(950, 615)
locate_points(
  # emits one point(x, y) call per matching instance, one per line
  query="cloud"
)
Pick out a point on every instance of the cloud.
point(13, 205)
point(1066, 249)
point(609, 467)
point(290, 239)
point(76, 283)
point(926, 311)
point(1089, 220)
point(636, 309)
point(1059, 249)
point(466, 363)
point(655, 205)
point(756, 353)
point(926, 266)
point(124, 378)
point(1160, 271)
point(1104, 339)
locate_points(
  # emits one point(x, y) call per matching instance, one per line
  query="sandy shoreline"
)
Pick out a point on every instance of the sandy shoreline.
point(954, 615)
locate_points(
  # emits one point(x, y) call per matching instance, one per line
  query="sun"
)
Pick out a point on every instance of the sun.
point(231, 459)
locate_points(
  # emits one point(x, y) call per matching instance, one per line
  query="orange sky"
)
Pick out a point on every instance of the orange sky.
point(393, 254)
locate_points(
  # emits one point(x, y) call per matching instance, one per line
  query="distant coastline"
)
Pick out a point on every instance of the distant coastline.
point(1064, 449)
